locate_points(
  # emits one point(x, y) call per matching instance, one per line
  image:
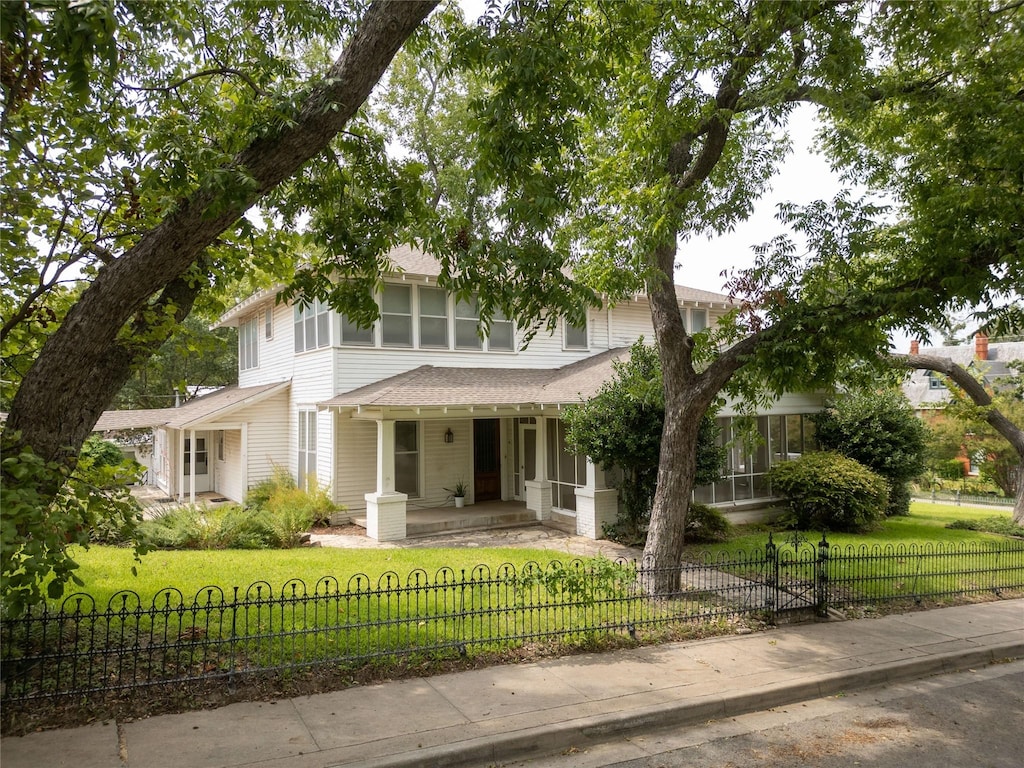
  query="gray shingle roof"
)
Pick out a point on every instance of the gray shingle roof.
point(435, 386)
point(215, 405)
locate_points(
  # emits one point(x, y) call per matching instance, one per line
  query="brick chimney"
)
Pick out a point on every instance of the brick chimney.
point(980, 346)
point(915, 347)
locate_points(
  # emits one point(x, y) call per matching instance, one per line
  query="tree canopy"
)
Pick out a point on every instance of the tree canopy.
point(136, 138)
point(650, 124)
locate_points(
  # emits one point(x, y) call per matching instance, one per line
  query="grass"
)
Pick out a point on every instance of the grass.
point(931, 561)
point(107, 570)
point(926, 524)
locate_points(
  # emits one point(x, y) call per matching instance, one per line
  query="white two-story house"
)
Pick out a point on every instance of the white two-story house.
point(392, 417)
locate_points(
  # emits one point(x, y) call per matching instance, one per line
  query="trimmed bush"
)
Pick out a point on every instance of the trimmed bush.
point(829, 492)
point(705, 523)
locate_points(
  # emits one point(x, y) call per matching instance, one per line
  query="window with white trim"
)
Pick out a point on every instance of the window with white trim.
point(433, 317)
point(396, 316)
point(567, 471)
point(574, 336)
point(407, 458)
point(268, 323)
point(353, 334)
point(698, 321)
point(306, 463)
point(249, 344)
point(502, 336)
point(312, 326)
point(467, 324)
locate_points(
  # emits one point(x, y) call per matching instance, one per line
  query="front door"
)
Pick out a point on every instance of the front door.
point(486, 459)
point(202, 455)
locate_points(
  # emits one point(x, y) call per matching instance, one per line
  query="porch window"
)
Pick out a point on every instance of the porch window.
point(407, 458)
point(249, 344)
point(567, 471)
point(575, 336)
point(312, 326)
point(433, 318)
point(396, 316)
point(306, 463)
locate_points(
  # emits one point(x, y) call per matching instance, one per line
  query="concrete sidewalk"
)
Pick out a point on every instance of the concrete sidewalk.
point(485, 716)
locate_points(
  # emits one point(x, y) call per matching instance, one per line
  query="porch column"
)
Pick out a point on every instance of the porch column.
point(538, 490)
point(596, 504)
point(192, 466)
point(385, 509)
point(179, 466)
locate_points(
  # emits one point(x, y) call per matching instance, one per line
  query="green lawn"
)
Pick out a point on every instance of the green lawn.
point(926, 524)
point(107, 570)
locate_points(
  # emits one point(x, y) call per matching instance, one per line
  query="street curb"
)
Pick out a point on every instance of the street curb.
point(585, 731)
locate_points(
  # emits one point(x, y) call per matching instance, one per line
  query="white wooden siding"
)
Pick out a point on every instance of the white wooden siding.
point(266, 449)
point(444, 464)
point(355, 455)
point(276, 354)
point(229, 471)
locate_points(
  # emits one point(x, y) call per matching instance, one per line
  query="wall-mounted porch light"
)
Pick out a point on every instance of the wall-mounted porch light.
point(449, 436)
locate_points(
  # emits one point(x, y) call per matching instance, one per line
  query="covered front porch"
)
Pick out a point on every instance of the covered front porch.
point(417, 435)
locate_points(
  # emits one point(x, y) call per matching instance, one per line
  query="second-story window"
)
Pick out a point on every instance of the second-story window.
point(396, 316)
point(502, 335)
point(268, 323)
point(467, 324)
point(312, 326)
point(353, 334)
point(249, 344)
point(433, 317)
point(575, 336)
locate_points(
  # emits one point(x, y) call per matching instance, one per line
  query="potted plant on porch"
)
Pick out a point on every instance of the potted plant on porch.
point(458, 492)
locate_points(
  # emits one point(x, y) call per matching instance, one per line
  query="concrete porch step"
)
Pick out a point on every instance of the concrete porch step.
point(430, 522)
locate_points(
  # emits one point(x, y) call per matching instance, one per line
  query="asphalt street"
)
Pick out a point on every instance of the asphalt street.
point(973, 718)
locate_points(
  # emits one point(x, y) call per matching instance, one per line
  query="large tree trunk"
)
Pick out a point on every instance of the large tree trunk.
point(83, 365)
point(688, 395)
point(980, 396)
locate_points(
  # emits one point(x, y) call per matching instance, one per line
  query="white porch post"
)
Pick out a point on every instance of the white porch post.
point(192, 466)
point(385, 509)
point(538, 490)
point(180, 465)
point(596, 504)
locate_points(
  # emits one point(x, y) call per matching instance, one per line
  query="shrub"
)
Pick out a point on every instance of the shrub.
point(827, 491)
point(995, 524)
point(260, 494)
point(881, 431)
point(192, 527)
point(706, 523)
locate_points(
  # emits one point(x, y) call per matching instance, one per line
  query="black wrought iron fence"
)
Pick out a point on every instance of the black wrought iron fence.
point(82, 650)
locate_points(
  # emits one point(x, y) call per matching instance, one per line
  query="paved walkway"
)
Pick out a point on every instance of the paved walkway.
point(487, 716)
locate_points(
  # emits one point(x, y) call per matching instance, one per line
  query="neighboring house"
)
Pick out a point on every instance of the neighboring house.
point(927, 390)
point(391, 417)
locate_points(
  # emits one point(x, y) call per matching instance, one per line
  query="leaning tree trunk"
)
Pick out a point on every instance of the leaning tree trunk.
point(82, 366)
point(688, 395)
point(974, 389)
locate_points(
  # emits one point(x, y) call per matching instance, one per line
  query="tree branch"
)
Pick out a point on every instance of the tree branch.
point(225, 71)
point(972, 388)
